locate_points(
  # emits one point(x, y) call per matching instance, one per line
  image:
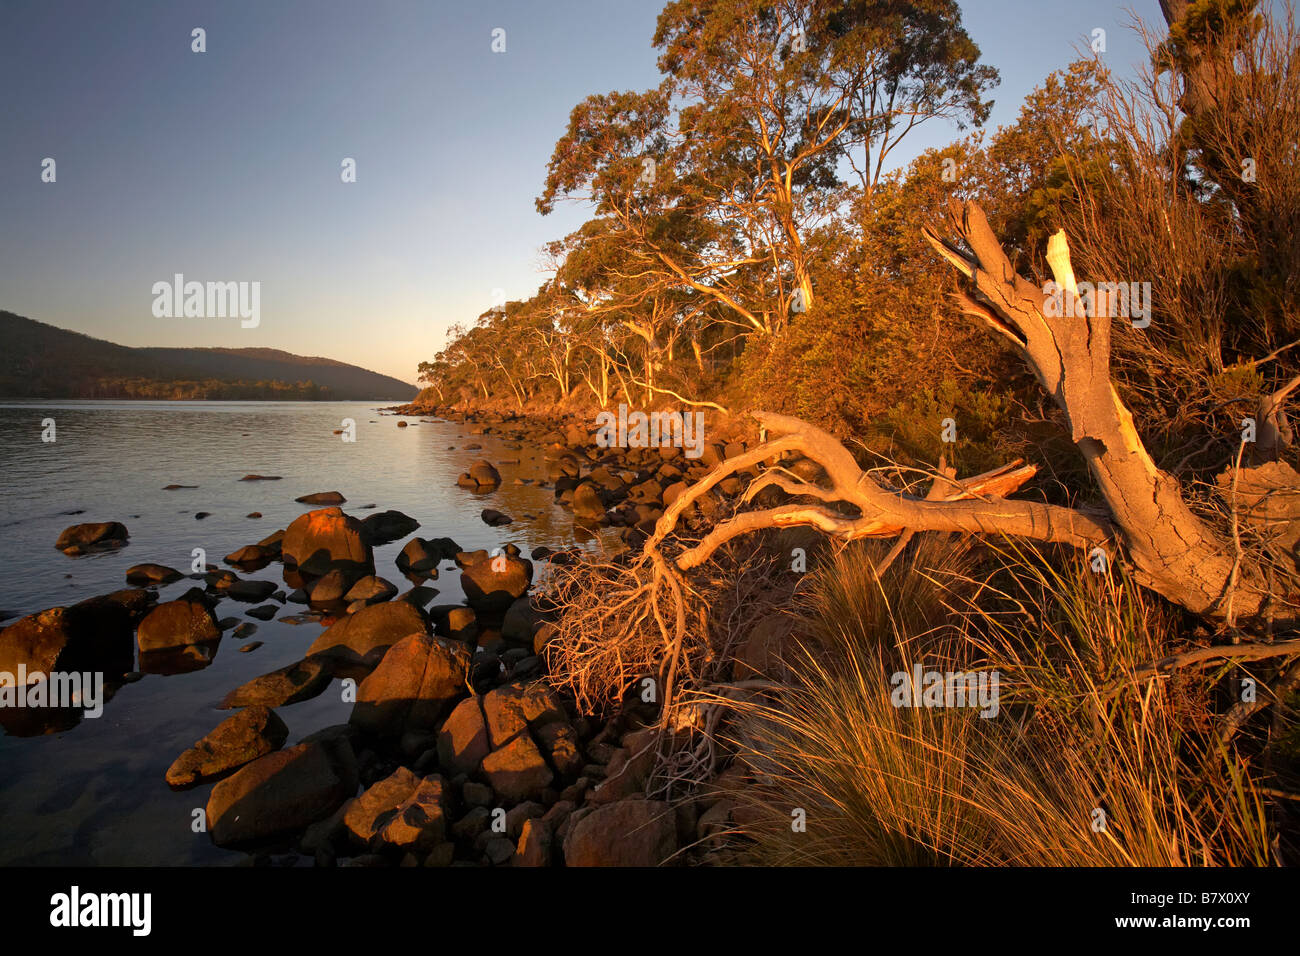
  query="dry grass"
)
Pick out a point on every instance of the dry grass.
point(1076, 732)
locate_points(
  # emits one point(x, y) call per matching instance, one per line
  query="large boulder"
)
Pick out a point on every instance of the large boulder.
point(301, 680)
point(137, 602)
point(421, 555)
point(493, 583)
point(92, 536)
point(325, 539)
point(402, 812)
point(331, 586)
point(534, 846)
point(284, 791)
point(385, 526)
point(456, 621)
point(417, 558)
point(363, 637)
point(632, 832)
point(273, 542)
point(463, 739)
point(94, 635)
point(371, 589)
point(518, 770)
point(561, 746)
point(237, 740)
point(178, 623)
point(413, 687)
point(511, 709)
point(521, 621)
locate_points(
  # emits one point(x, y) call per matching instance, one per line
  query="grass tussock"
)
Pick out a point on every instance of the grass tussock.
point(1084, 763)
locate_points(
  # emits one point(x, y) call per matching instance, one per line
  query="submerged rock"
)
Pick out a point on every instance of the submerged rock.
point(301, 680)
point(237, 740)
point(92, 536)
point(251, 591)
point(587, 503)
point(152, 574)
point(177, 624)
point(322, 498)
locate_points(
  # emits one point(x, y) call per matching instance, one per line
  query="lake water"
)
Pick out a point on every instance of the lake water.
point(95, 794)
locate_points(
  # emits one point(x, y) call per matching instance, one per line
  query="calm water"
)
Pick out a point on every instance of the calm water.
point(95, 794)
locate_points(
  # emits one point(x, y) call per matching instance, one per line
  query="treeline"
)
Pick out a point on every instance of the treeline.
point(210, 390)
point(748, 249)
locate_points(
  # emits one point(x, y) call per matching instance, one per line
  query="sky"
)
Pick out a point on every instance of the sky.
point(226, 165)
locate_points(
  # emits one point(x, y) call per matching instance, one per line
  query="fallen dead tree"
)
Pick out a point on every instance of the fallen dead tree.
point(648, 616)
point(1147, 519)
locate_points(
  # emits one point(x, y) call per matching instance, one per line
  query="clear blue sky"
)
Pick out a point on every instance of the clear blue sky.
point(225, 165)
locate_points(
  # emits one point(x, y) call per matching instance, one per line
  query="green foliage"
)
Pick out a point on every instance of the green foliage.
point(685, 286)
point(979, 417)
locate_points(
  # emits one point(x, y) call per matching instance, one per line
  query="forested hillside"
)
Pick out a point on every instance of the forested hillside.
point(41, 361)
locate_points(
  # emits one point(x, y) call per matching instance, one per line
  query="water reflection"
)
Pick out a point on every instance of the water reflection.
point(92, 790)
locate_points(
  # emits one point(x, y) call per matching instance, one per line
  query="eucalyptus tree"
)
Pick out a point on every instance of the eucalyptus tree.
point(717, 178)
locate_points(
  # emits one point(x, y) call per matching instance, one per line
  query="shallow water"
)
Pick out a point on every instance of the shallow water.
point(95, 794)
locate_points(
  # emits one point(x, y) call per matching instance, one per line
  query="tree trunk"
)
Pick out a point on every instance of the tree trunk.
point(1172, 550)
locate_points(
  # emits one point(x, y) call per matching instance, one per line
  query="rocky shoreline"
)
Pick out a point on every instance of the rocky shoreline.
point(458, 751)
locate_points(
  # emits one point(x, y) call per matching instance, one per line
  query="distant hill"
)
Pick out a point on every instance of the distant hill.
point(41, 361)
